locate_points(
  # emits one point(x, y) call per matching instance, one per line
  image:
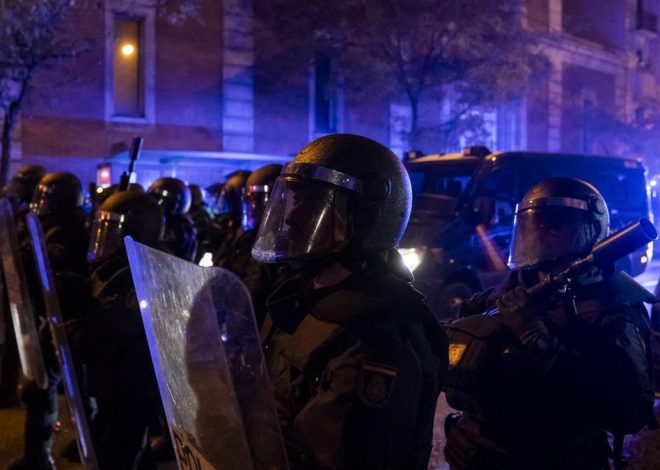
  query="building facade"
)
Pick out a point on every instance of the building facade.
point(182, 86)
point(192, 86)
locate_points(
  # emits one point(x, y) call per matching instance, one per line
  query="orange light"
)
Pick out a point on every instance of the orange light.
point(128, 50)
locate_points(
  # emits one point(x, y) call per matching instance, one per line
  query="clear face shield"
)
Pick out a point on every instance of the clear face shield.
point(106, 236)
point(39, 204)
point(226, 202)
point(253, 203)
point(307, 214)
point(554, 230)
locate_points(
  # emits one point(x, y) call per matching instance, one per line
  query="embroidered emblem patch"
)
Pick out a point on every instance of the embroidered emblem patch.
point(456, 351)
point(376, 384)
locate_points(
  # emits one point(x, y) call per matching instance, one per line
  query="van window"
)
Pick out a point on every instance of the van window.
point(446, 182)
point(624, 189)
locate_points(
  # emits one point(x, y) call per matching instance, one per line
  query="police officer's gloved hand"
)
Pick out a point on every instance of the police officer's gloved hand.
point(521, 315)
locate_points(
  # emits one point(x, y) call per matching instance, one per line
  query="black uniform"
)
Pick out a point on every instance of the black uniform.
point(357, 369)
point(525, 409)
point(180, 236)
point(120, 372)
point(202, 223)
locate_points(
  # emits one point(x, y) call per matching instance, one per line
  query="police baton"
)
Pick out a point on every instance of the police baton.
point(134, 154)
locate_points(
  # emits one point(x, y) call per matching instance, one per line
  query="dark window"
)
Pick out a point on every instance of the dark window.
point(325, 119)
point(602, 22)
point(128, 73)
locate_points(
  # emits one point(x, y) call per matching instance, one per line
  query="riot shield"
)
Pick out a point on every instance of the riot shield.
point(210, 368)
point(20, 305)
point(3, 324)
point(61, 344)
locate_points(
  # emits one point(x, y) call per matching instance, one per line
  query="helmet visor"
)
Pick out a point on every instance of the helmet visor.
point(547, 234)
point(253, 204)
point(224, 202)
point(303, 219)
point(106, 236)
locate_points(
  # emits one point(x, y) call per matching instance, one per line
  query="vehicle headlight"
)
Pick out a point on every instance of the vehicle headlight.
point(412, 257)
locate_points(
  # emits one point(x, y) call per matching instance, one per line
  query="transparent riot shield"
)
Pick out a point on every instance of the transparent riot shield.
point(20, 305)
point(3, 324)
point(210, 368)
point(61, 344)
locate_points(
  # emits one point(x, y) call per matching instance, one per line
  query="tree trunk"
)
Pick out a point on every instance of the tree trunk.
point(11, 115)
point(413, 139)
point(5, 149)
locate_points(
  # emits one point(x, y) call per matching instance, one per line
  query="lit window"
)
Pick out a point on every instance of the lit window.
point(128, 68)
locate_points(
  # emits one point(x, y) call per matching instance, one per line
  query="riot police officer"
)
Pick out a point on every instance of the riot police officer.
point(227, 221)
point(175, 198)
point(57, 201)
point(540, 384)
point(259, 278)
point(357, 360)
point(120, 372)
point(23, 183)
point(19, 192)
point(201, 219)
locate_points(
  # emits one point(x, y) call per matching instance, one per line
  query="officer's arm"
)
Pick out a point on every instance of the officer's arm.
point(607, 376)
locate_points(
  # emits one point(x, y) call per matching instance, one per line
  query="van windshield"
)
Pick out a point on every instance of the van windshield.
point(448, 182)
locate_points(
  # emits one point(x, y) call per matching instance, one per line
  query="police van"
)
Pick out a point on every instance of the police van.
point(457, 240)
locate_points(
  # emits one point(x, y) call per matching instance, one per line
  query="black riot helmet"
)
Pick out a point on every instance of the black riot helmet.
point(24, 182)
point(172, 194)
point(198, 197)
point(125, 213)
point(255, 194)
point(342, 192)
point(228, 201)
point(57, 193)
point(558, 219)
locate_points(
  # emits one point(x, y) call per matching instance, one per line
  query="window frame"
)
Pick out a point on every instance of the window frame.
point(336, 104)
point(146, 48)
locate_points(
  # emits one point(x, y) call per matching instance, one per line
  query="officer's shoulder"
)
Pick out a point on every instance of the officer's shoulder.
point(373, 300)
point(625, 291)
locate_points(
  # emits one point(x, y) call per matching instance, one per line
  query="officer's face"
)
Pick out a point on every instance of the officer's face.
point(304, 204)
point(312, 220)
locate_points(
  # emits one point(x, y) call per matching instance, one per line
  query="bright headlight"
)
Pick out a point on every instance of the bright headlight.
point(412, 257)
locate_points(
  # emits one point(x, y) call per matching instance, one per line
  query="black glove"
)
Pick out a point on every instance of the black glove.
point(520, 314)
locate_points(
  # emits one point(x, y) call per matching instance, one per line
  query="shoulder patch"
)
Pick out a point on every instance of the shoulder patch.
point(456, 351)
point(376, 384)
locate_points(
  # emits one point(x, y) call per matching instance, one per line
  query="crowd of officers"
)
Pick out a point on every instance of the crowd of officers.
point(356, 359)
point(97, 296)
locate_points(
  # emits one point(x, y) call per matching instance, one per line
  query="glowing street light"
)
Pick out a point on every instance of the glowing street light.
point(128, 50)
